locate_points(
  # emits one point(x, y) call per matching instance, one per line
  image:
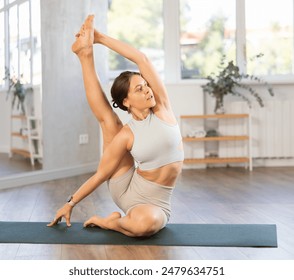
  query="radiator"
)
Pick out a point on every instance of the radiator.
point(272, 129)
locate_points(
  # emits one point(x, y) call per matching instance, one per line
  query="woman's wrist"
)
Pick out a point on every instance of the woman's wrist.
point(70, 201)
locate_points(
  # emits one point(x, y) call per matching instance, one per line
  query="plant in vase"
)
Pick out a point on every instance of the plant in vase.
point(19, 90)
point(229, 81)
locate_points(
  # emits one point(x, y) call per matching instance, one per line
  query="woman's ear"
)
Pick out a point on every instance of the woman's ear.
point(126, 102)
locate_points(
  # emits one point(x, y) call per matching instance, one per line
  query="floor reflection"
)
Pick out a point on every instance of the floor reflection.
point(16, 164)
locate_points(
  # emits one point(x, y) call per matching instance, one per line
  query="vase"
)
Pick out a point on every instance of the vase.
point(219, 105)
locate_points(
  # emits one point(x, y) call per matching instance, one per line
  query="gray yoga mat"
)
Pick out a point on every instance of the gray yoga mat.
point(226, 235)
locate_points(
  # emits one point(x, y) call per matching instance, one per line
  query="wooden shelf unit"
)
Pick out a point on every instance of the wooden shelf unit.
point(22, 152)
point(217, 138)
point(31, 141)
point(220, 160)
point(17, 134)
point(220, 116)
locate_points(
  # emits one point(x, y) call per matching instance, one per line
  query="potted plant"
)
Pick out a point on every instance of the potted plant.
point(19, 90)
point(229, 81)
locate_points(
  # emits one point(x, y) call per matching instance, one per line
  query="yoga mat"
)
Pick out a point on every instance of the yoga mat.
point(227, 235)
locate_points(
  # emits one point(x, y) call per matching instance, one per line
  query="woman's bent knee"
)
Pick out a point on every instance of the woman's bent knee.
point(149, 222)
point(147, 227)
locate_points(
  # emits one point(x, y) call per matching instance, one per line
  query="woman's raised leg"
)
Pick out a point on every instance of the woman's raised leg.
point(83, 48)
point(99, 104)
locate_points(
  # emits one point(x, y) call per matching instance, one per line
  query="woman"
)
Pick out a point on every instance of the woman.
point(152, 138)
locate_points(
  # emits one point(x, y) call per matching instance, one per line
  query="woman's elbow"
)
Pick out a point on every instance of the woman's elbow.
point(143, 58)
point(100, 177)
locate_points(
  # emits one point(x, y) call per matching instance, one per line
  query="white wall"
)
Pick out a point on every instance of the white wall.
point(66, 113)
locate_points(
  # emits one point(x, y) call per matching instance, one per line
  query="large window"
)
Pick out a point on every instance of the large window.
point(20, 42)
point(197, 33)
point(139, 23)
point(240, 30)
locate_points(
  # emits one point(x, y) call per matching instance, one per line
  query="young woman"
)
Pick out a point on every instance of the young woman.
point(151, 137)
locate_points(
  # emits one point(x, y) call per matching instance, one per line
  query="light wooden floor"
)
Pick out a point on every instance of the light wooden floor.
point(219, 195)
point(16, 164)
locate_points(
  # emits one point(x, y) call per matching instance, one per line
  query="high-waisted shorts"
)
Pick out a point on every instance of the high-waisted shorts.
point(131, 189)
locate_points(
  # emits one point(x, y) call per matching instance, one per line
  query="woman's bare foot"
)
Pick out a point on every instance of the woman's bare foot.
point(85, 38)
point(102, 222)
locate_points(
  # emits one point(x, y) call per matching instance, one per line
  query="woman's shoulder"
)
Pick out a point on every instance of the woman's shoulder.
point(128, 136)
point(126, 130)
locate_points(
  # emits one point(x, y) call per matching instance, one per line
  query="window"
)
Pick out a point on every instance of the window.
point(196, 33)
point(13, 42)
point(2, 49)
point(25, 48)
point(20, 40)
point(207, 31)
point(269, 33)
point(36, 42)
point(139, 24)
point(210, 28)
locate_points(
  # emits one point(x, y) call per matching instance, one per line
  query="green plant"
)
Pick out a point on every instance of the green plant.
point(19, 90)
point(229, 81)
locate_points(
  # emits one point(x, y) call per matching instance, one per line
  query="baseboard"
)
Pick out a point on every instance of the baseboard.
point(257, 162)
point(273, 162)
point(34, 177)
point(4, 149)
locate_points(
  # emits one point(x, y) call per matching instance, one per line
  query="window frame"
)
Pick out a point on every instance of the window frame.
point(240, 48)
point(5, 10)
point(171, 46)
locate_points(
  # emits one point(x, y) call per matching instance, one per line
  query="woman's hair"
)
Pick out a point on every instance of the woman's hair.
point(120, 88)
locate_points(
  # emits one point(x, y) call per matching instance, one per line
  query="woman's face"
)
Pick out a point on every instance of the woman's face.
point(140, 95)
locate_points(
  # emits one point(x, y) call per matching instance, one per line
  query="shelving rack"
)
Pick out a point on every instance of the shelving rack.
point(246, 138)
point(26, 137)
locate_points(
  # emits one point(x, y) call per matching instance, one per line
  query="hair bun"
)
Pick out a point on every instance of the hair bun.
point(114, 104)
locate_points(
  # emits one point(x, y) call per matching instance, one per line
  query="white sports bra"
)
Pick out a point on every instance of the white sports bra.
point(156, 143)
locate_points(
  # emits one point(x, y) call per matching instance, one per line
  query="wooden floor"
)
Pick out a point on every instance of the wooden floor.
point(16, 164)
point(216, 195)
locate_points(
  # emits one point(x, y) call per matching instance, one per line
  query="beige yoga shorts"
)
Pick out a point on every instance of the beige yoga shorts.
point(131, 189)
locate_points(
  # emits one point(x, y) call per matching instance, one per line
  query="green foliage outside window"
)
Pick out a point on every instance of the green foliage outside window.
point(139, 25)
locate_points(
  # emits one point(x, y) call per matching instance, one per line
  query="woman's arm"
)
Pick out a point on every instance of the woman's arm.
point(145, 66)
point(109, 162)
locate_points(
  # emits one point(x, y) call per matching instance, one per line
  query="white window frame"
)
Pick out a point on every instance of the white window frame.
point(171, 27)
point(172, 57)
point(5, 9)
point(171, 10)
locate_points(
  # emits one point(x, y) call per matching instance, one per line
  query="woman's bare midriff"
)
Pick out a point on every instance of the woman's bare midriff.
point(165, 175)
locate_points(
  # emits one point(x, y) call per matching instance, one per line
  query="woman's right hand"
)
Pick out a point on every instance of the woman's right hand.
point(97, 36)
point(63, 212)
